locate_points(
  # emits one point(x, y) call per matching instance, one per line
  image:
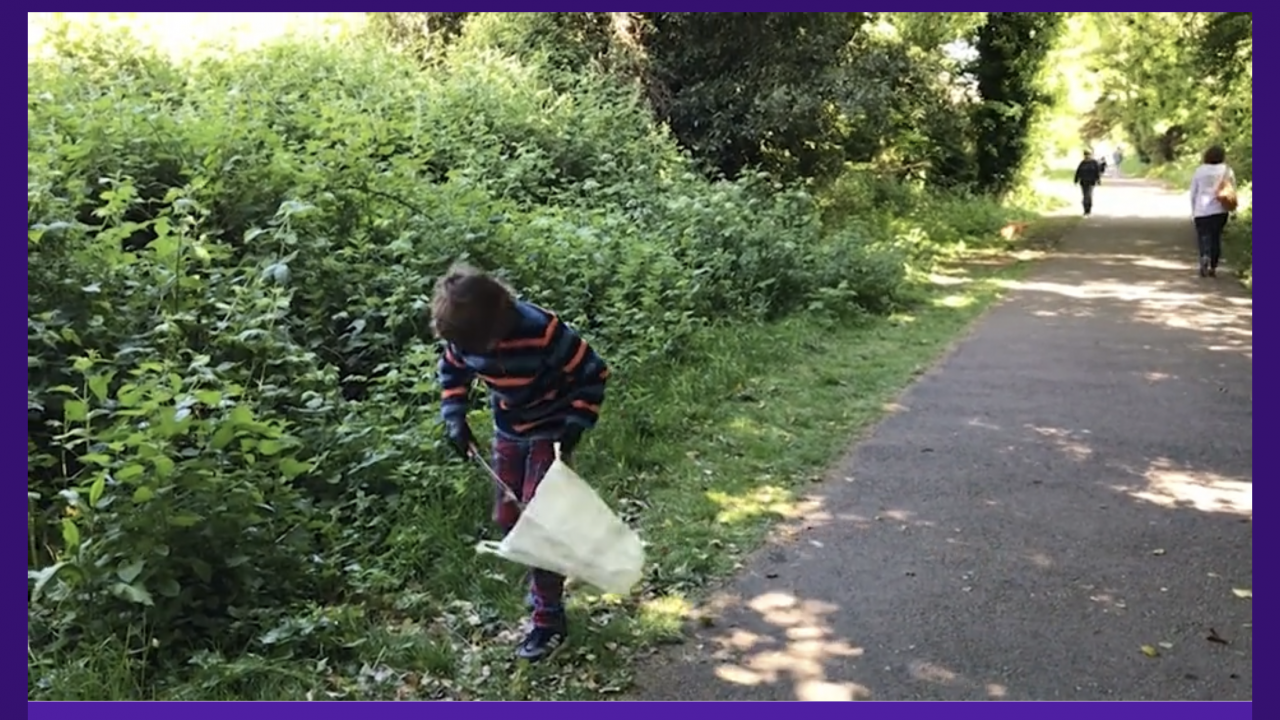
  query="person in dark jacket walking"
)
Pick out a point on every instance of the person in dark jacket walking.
point(1088, 176)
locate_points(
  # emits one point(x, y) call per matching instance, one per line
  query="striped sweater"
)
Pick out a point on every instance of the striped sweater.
point(541, 377)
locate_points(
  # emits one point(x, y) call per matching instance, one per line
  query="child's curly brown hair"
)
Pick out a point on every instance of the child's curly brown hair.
point(471, 309)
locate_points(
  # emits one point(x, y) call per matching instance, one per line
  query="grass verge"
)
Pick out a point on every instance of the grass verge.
point(755, 416)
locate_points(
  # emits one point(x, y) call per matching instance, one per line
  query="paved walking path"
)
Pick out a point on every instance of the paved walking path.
point(1073, 483)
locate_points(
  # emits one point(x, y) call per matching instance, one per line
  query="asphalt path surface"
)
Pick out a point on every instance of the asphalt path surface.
point(1060, 510)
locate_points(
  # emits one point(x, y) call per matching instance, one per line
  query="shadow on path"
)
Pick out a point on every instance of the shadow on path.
point(1073, 484)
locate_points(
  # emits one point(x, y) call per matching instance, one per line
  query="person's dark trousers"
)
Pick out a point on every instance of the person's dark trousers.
point(1086, 197)
point(521, 465)
point(1209, 240)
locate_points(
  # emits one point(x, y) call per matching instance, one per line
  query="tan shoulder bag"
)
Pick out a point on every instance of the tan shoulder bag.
point(1226, 192)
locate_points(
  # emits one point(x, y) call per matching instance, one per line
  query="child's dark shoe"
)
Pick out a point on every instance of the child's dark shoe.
point(542, 642)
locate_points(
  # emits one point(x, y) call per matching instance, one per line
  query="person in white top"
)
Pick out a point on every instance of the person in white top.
point(1210, 216)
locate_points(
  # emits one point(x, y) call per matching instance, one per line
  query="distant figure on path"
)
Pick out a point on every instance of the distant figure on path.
point(1213, 193)
point(1088, 175)
point(1117, 157)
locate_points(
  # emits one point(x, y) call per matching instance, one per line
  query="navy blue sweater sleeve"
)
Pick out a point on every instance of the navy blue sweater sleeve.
point(586, 371)
point(455, 384)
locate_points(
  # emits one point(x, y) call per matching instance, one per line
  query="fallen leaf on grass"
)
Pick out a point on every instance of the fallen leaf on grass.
point(1150, 651)
point(1246, 593)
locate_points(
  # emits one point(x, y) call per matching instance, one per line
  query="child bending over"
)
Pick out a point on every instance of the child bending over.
point(545, 384)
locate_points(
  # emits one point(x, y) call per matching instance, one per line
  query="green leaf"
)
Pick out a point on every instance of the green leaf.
point(241, 415)
point(130, 571)
point(132, 593)
point(100, 385)
point(143, 494)
point(75, 411)
point(293, 467)
point(96, 489)
point(129, 472)
point(270, 447)
point(43, 577)
point(202, 570)
point(70, 534)
point(169, 588)
point(185, 519)
point(165, 246)
point(209, 397)
point(164, 466)
point(223, 436)
point(128, 396)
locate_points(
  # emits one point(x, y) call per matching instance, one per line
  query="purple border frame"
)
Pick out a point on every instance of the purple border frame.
point(54, 711)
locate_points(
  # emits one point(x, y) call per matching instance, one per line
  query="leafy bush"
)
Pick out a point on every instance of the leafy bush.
point(232, 418)
point(1238, 241)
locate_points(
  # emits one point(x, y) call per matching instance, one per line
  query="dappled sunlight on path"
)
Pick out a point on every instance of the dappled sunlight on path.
point(1073, 483)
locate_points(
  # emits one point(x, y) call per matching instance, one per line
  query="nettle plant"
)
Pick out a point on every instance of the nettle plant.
point(173, 482)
